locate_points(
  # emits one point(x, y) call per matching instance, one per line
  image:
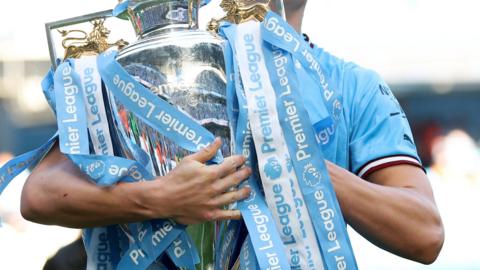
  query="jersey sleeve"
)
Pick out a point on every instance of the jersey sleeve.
point(379, 133)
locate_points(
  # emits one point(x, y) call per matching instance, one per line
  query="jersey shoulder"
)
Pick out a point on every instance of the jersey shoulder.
point(376, 128)
point(353, 82)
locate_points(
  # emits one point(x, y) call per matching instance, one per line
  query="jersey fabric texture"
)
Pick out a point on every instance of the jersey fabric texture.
point(369, 130)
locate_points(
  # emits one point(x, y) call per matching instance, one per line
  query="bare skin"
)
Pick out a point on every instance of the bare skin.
point(394, 209)
point(58, 193)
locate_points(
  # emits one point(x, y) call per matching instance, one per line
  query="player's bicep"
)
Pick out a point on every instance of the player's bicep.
point(403, 176)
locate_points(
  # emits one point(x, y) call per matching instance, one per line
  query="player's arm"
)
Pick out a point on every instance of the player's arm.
point(58, 193)
point(389, 200)
point(395, 210)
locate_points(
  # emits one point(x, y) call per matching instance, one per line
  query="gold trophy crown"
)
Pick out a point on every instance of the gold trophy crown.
point(95, 42)
point(239, 11)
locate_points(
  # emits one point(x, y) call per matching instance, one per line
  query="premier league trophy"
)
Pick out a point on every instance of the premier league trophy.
point(181, 65)
point(185, 67)
point(177, 62)
point(133, 115)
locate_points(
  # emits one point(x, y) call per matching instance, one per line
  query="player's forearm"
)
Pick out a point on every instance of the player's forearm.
point(61, 195)
point(58, 193)
point(398, 219)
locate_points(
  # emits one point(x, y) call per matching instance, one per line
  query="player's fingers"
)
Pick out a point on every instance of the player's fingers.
point(231, 180)
point(228, 165)
point(220, 214)
point(231, 197)
point(207, 153)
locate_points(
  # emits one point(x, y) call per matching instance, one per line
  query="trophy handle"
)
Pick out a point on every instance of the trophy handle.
point(49, 27)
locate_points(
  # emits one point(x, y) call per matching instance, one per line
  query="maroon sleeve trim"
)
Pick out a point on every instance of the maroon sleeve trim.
point(385, 162)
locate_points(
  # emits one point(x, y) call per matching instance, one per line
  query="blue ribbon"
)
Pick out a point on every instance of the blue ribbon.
point(301, 51)
point(255, 213)
point(154, 111)
point(95, 166)
point(49, 90)
point(71, 113)
point(15, 166)
point(183, 252)
point(247, 258)
point(307, 155)
point(102, 247)
point(311, 171)
point(307, 159)
point(150, 239)
point(155, 240)
point(225, 249)
point(107, 170)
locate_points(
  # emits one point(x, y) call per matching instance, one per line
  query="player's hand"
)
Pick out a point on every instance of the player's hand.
point(194, 192)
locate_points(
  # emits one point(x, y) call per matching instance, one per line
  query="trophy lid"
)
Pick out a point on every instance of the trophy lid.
point(150, 17)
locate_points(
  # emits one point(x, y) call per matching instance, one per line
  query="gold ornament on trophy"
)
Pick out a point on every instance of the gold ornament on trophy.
point(92, 44)
point(239, 11)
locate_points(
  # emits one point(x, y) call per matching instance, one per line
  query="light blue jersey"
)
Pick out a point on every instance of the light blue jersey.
point(369, 130)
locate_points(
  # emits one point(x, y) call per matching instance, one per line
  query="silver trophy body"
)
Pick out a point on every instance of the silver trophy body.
point(181, 65)
point(184, 66)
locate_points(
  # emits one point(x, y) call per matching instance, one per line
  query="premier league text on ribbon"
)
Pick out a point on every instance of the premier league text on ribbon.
point(263, 233)
point(326, 210)
point(259, 217)
point(164, 117)
point(156, 238)
point(93, 97)
point(261, 106)
point(262, 113)
point(300, 138)
point(290, 108)
point(296, 128)
point(299, 235)
point(71, 111)
point(273, 25)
